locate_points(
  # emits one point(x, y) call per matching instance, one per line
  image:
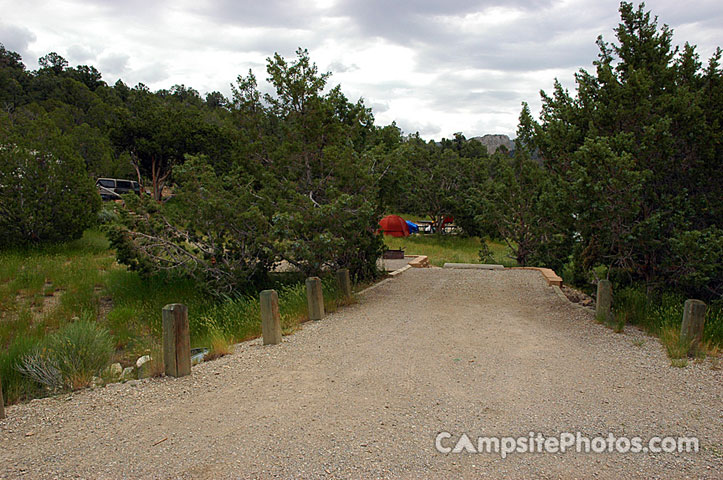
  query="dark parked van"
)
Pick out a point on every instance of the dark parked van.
point(113, 188)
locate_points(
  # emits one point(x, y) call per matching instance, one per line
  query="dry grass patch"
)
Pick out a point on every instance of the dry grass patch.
point(220, 346)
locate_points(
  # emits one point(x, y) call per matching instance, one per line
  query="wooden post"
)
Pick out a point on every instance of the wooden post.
point(342, 276)
point(270, 318)
point(176, 340)
point(2, 401)
point(691, 330)
point(604, 301)
point(315, 298)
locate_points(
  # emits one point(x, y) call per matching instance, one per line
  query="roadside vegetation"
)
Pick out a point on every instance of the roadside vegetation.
point(661, 315)
point(619, 179)
point(68, 310)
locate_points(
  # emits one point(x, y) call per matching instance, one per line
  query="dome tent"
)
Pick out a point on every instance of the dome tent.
point(394, 225)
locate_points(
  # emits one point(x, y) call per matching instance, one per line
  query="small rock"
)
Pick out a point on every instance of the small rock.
point(128, 373)
point(142, 360)
point(113, 372)
point(144, 366)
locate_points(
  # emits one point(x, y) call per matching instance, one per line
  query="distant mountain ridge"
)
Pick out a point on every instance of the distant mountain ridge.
point(495, 141)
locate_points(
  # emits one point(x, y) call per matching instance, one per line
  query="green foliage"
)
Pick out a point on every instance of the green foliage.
point(697, 261)
point(485, 253)
point(212, 231)
point(45, 192)
point(15, 385)
point(675, 346)
point(322, 189)
point(521, 202)
point(158, 130)
point(239, 318)
point(713, 330)
point(436, 181)
point(661, 313)
point(338, 234)
point(303, 191)
point(635, 157)
point(70, 357)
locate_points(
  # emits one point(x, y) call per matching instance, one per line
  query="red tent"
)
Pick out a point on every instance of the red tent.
point(394, 225)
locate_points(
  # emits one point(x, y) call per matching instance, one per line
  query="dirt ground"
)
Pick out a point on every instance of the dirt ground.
point(365, 392)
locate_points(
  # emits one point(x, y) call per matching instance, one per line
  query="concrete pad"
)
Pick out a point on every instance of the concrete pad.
point(474, 266)
point(392, 265)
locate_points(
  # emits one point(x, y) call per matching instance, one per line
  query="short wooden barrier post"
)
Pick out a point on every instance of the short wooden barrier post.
point(604, 301)
point(2, 401)
point(315, 298)
point(342, 276)
point(691, 330)
point(176, 340)
point(270, 318)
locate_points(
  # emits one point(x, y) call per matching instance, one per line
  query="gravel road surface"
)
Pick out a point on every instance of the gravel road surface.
point(365, 392)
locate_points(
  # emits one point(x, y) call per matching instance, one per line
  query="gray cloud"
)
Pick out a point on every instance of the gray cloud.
point(149, 11)
point(408, 22)
point(266, 13)
point(80, 54)
point(151, 74)
point(340, 67)
point(379, 107)
point(114, 63)
point(436, 67)
point(17, 39)
point(425, 129)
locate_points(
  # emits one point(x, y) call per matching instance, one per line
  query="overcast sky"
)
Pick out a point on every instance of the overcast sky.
point(434, 66)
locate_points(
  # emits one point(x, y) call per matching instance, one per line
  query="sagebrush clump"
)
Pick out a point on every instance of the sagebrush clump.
point(70, 358)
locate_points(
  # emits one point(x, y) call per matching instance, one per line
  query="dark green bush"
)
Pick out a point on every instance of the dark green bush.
point(46, 194)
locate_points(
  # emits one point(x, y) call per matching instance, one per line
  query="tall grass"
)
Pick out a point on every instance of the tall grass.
point(15, 385)
point(239, 319)
point(441, 249)
point(42, 290)
point(662, 315)
point(63, 277)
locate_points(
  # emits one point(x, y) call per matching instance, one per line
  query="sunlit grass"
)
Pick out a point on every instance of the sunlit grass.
point(441, 249)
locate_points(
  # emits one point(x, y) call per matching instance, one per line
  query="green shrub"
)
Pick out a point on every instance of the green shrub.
point(212, 232)
point(70, 357)
point(238, 318)
point(45, 193)
point(676, 347)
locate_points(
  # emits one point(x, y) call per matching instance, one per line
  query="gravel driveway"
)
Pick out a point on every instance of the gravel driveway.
point(364, 393)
